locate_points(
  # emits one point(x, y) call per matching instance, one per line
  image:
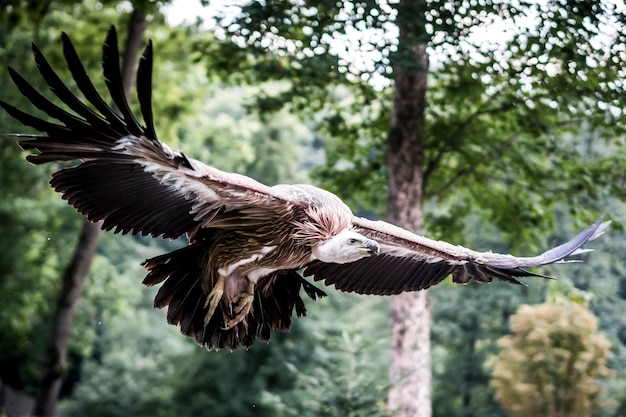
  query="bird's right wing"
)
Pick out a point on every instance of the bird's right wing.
point(126, 177)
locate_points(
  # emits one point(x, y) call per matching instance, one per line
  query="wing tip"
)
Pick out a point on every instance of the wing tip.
point(599, 228)
point(575, 245)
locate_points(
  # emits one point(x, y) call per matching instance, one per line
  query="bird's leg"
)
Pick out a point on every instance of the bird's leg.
point(214, 297)
point(241, 306)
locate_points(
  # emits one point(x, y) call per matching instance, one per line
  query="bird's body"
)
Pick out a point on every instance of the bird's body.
point(250, 245)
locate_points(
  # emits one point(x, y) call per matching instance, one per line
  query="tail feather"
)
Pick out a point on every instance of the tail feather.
point(181, 291)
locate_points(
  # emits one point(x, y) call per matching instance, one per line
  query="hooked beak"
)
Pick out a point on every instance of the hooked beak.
point(372, 247)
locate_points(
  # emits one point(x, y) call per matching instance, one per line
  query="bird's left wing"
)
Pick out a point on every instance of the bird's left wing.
point(125, 176)
point(410, 262)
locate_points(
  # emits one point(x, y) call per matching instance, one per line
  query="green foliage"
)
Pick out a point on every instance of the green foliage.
point(467, 321)
point(28, 282)
point(499, 103)
point(130, 367)
point(551, 363)
point(224, 133)
point(39, 229)
point(347, 361)
point(324, 367)
point(512, 128)
point(355, 162)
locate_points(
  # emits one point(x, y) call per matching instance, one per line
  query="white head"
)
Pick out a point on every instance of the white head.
point(347, 246)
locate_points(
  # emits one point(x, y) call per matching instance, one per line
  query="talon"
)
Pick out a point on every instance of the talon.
point(213, 299)
point(245, 301)
point(241, 307)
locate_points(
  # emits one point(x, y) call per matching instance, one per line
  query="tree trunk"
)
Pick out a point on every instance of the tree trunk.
point(75, 274)
point(410, 314)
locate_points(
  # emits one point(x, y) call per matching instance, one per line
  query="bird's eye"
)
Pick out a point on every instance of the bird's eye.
point(352, 241)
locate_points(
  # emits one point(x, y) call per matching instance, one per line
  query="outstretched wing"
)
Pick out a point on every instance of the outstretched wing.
point(409, 262)
point(126, 176)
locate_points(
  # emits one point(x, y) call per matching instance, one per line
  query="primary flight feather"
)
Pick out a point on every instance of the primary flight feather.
point(250, 245)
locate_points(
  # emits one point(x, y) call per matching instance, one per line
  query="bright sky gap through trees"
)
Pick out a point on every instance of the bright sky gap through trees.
point(361, 48)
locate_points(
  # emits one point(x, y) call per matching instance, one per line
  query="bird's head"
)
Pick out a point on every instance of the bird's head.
point(347, 246)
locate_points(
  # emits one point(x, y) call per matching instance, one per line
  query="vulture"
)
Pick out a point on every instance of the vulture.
point(251, 247)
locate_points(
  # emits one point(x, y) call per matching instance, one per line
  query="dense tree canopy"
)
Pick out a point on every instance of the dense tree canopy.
point(507, 80)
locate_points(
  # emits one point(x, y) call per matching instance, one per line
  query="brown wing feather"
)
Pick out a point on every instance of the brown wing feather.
point(380, 275)
point(409, 262)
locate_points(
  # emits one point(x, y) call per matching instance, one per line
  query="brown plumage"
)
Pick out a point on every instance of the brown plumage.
point(249, 244)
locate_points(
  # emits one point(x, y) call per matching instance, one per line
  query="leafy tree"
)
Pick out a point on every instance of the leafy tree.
point(506, 80)
point(464, 342)
point(31, 269)
point(321, 368)
point(551, 363)
point(75, 273)
point(470, 319)
point(34, 236)
point(601, 285)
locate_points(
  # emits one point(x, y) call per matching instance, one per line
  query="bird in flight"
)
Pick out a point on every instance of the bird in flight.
point(251, 246)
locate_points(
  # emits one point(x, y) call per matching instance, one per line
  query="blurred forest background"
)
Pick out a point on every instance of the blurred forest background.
point(322, 118)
